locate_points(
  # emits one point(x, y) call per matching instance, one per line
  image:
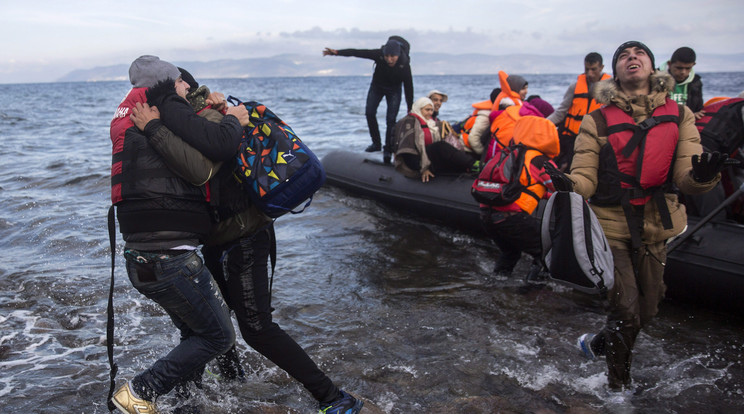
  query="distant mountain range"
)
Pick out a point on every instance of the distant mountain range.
point(298, 65)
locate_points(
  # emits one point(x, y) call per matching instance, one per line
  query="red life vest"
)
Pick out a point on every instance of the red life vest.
point(721, 128)
point(428, 139)
point(643, 152)
point(636, 164)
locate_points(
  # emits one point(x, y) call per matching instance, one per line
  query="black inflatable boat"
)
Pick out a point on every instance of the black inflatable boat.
point(707, 269)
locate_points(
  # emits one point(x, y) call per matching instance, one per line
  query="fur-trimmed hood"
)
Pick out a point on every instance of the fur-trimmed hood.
point(608, 91)
point(161, 91)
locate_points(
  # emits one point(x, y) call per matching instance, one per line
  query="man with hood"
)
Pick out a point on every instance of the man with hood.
point(638, 125)
point(392, 69)
point(689, 88)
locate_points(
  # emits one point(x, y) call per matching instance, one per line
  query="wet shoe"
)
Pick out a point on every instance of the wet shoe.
point(129, 403)
point(344, 405)
point(373, 148)
point(386, 158)
point(229, 366)
point(585, 346)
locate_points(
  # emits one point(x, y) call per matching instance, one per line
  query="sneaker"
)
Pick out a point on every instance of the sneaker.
point(585, 346)
point(129, 403)
point(344, 405)
point(373, 148)
point(477, 167)
point(230, 367)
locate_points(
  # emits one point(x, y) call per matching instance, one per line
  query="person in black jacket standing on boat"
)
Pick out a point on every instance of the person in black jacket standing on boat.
point(392, 68)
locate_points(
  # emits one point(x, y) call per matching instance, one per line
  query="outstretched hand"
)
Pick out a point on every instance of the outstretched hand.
point(560, 181)
point(706, 166)
point(330, 52)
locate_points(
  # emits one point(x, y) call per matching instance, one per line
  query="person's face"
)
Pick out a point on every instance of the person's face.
point(523, 93)
point(633, 65)
point(680, 70)
point(427, 111)
point(593, 71)
point(437, 99)
point(182, 87)
point(391, 60)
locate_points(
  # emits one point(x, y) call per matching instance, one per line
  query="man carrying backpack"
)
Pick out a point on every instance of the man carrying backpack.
point(392, 69)
point(628, 156)
point(510, 187)
point(237, 249)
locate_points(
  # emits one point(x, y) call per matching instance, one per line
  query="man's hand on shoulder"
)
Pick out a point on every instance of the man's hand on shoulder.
point(142, 113)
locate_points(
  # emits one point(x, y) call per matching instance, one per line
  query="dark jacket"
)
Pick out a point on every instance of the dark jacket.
point(156, 208)
point(385, 75)
point(695, 94)
point(236, 216)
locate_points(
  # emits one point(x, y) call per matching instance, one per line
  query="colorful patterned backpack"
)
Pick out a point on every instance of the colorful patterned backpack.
point(274, 166)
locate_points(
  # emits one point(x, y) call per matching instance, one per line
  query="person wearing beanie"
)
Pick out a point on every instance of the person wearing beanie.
point(392, 69)
point(577, 102)
point(518, 84)
point(636, 218)
point(163, 215)
point(236, 252)
point(542, 105)
point(689, 87)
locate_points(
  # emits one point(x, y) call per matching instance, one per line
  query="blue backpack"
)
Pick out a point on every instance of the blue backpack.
point(274, 166)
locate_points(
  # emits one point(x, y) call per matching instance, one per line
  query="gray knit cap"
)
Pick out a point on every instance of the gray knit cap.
point(146, 71)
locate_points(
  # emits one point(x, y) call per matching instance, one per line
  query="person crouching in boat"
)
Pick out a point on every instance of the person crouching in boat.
point(513, 227)
point(420, 149)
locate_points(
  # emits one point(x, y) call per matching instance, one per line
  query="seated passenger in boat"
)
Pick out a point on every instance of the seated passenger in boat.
point(420, 150)
point(474, 131)
point(513, 227)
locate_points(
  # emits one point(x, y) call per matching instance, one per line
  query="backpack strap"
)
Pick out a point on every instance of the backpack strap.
point(113, 368)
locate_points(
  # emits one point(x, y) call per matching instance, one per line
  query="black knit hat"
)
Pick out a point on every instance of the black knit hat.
point(632, 43)
point(186, 76)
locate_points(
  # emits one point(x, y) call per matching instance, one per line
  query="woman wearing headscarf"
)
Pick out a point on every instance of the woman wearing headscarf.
point(420, 149)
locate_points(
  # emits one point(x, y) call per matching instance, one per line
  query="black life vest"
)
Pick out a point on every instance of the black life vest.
point(148, 195)
point(637, 163)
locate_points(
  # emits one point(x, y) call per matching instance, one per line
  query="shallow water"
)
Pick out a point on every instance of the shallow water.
point(401, 311)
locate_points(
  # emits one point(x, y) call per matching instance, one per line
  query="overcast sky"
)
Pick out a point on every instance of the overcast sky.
point(44, 40)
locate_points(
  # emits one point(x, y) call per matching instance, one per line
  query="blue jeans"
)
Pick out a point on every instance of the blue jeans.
point(392, 98)
point(185, 289)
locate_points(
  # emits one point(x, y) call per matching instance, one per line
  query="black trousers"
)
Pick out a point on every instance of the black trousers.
point(444, 159)
point(241, 272)
point(513, 235)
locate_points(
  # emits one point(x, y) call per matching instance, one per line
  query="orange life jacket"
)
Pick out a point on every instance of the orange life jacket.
point(582, 104)
point(506, 92)
point(502, 126)
point(484, 105)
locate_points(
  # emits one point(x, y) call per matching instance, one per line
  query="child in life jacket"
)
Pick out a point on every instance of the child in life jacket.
point(513, 227)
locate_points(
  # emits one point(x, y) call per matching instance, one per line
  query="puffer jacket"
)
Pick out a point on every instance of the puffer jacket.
point(586, 161)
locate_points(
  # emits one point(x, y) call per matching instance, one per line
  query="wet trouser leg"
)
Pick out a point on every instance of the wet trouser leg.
point(392, 98)
point(632, 302)
point(185, 289)
point(244, 273)
point(513, 235)
point(374, 97)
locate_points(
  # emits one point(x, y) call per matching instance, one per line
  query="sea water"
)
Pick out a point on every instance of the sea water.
point(401, 311)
